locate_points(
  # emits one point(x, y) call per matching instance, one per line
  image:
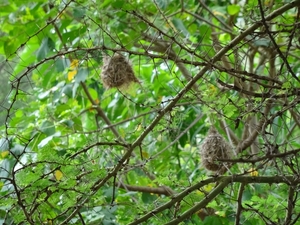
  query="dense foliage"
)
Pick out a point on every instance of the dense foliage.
point(75, 149)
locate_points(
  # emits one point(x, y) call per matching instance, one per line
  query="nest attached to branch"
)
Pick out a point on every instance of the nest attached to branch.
point(117, 72)
point(215, 147)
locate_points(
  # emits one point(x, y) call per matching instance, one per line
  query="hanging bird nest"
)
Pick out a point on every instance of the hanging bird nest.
point(117, 72)
point(215, 147)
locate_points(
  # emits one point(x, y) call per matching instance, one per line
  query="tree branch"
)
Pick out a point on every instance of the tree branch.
point(239, 204)
point(290, 205)
point(162, 190)
point(224, 181)
point(200, 205)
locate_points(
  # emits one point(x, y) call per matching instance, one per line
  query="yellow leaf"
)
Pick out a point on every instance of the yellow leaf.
point(58, 175)
point(74, 64)
point(212, 89)
point(73, 69)
point(139, 128)
point(4, 154)
point(1, 185)
point(199, 192)
point(145, 154)
point(216, 13)
point(253, 172)
point(71, 74)
point(208, 187)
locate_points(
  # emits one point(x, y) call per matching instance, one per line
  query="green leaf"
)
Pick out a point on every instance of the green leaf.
point(45, 74)
point(44, 95)
point(204, 31)
point(148, 198)
point(78, 13)
point(46, 140)
point(27, 55)
point(48, 128)
point(10, 46)
point(233, 9)
point(180, 26)
point(81, 75)
point(125, 40)
point(215, 220)
point(105, 3)
point(77, 124)
point(4, 144)
point(61, 110)
point(46, 46)
point(6, 166)
point(286, 85)
point(229, 110)
point(67, 90)
point(61, 64)
point(117, 4)
point(109, 193)
point(163, 4)
point(16, 121)
point(6, 8)
point(17, 149)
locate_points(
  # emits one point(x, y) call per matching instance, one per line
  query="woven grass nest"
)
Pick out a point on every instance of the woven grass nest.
point(117, 72)
point(215, 146)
